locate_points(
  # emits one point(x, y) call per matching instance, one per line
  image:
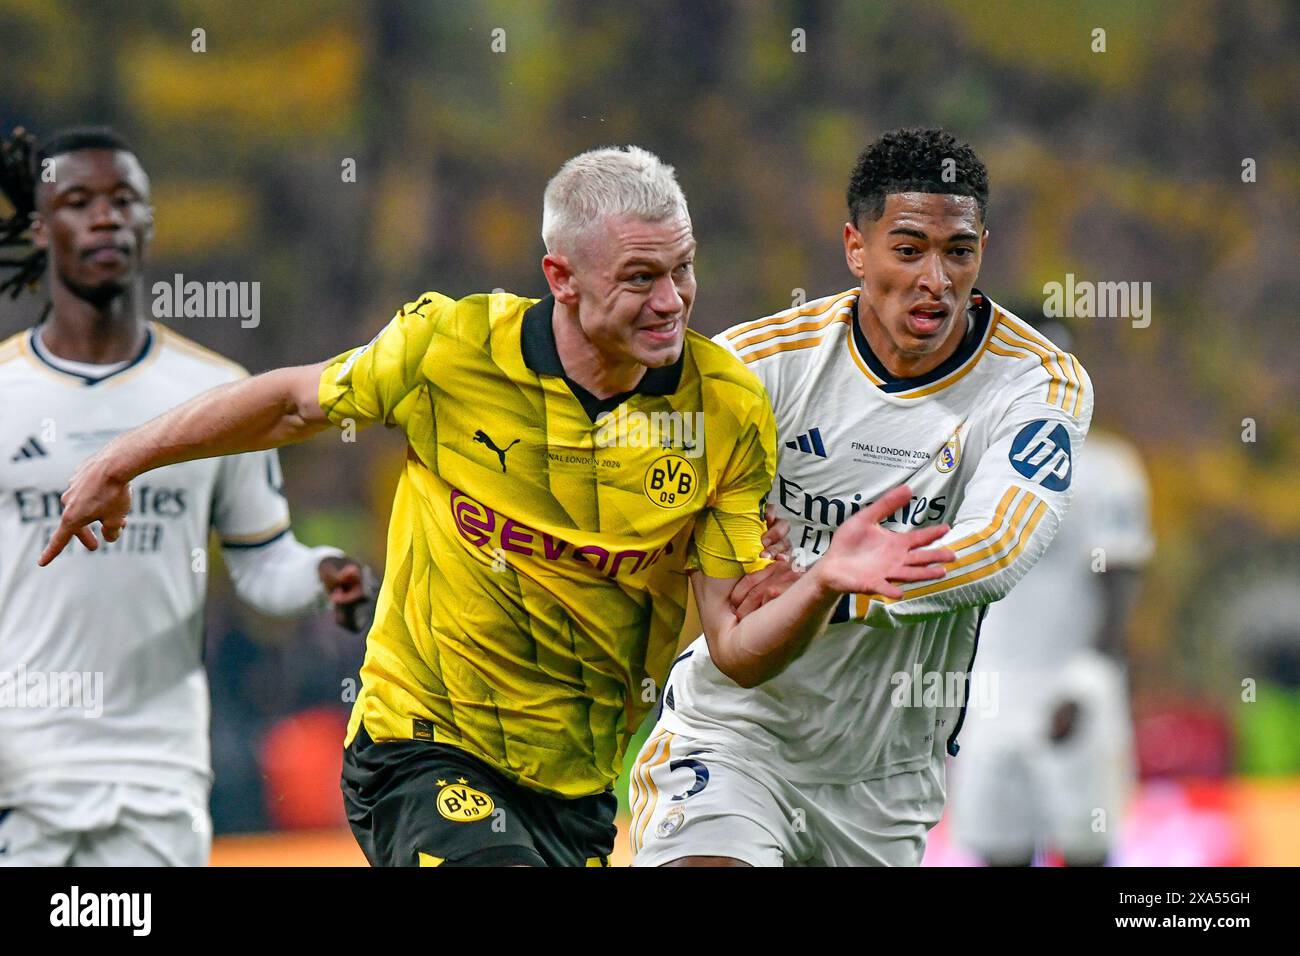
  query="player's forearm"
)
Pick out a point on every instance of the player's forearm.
point(769, 639)
point(993, 554)
point(266, 411)
point(914, 609)
point(281, 578)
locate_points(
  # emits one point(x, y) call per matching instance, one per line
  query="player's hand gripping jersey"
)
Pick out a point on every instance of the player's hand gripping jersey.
point(536, 575)
point(985, 442)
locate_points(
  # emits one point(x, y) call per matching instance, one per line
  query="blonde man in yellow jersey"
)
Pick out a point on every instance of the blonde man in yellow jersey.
point(572, 462)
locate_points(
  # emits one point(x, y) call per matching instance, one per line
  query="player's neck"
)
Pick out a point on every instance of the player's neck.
point(908, 364)
point(586, 364)
point(81, 331)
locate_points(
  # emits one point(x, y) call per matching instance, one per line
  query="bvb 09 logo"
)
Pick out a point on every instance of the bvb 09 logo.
point(463, 804)
point(670, 481)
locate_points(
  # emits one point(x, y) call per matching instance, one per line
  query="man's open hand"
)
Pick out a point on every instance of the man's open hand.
point(351, 588)
point(864, 558)
point(92, 495)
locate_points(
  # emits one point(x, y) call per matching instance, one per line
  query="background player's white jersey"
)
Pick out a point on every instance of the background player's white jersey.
point(1014, 788)
point(101, 675)
point(985, 442)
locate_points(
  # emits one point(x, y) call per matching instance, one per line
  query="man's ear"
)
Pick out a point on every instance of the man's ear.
point(854, 250)
point(984, 241)
point(558, 270)
point(40, 237)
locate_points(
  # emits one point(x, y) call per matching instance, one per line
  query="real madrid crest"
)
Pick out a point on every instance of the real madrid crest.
point(949, 455)
point(461, 803)
point(671, 823)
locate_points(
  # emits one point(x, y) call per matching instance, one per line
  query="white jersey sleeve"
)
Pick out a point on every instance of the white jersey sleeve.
point(271, 570)
point(1011, 509)
point(248, 508)
point(281, 577)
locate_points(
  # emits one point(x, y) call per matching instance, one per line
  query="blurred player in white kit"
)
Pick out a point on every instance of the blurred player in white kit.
point(1051, 766)
point(104, 752)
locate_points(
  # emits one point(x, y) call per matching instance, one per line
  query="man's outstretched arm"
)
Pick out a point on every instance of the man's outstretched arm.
point(863, 558)
point(276, 408)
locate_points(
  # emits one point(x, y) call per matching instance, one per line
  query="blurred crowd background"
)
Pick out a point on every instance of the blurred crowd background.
point(1122, 165)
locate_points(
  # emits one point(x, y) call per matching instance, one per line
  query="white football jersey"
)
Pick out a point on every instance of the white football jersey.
point(985, 442)
point(1055, 613)
point(101, 653)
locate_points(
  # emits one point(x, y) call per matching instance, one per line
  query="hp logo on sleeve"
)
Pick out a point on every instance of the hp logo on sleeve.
point(1041, 452)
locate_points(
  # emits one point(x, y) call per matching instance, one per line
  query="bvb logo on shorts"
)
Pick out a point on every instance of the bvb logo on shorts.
point(463, 804)
point(670, 481)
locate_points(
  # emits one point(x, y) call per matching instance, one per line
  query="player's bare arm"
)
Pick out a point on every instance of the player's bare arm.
point(864, 558)
point(269, 410)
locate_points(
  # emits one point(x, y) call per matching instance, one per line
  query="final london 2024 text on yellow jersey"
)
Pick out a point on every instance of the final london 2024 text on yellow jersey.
point(540, 539)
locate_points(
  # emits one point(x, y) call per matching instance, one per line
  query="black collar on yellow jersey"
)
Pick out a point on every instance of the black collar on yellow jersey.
point(980, 311)
point(542, 356)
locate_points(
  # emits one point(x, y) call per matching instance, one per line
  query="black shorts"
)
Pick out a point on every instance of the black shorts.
point(418, 803)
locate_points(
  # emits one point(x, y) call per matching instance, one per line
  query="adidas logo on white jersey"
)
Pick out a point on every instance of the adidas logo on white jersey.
point(810, 442)
point(30, 449)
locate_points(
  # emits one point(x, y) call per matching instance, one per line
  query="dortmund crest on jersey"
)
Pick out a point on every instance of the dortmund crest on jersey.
point(461, 803)
point(670, 482)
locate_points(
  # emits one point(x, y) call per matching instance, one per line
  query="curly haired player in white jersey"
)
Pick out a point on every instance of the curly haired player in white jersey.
point(913, 375)
point(104, 757)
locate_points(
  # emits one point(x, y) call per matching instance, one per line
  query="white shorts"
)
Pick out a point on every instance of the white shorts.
point(1015, 791)
point(693, 799)
point(102, 824)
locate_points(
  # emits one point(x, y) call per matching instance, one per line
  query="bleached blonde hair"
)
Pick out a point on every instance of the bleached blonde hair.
point(606, 183)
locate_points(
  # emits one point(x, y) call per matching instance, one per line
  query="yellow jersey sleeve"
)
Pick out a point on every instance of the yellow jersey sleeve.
point(728, 537)
point(367, 384)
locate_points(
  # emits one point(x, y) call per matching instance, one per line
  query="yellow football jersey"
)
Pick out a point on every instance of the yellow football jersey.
point(540, 539)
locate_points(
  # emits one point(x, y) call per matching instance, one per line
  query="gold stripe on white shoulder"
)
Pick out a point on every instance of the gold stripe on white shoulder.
point(170, 337)
point(1063, 387)
point(815, 324)
point(819, 307)
point(786, 346)
point(13, 345)
point(1026, 331)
